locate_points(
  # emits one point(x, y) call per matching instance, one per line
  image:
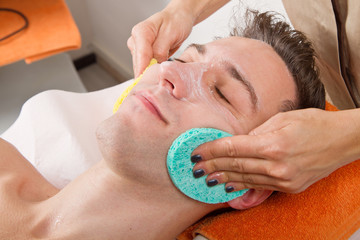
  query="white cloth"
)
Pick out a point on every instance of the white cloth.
point(55, 131)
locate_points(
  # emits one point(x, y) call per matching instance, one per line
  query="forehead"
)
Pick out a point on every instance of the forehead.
point(253, 57)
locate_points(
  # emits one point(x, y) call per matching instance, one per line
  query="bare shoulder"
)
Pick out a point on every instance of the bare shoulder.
point(11, 161)
point(18, 175)
point(21, 187)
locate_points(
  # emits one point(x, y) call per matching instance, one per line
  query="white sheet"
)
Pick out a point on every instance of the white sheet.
point(55, 131)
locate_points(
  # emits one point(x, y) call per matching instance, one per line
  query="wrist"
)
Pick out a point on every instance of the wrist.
point(198, 10)
point(350, 127)
point(187, 8)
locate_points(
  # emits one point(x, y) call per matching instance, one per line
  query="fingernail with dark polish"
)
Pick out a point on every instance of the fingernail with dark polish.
point(198, 173)
point(196, 158)
point(229, 189)
point(212, 182)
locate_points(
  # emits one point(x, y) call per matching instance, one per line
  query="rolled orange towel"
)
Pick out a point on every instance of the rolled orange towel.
point(51, 30)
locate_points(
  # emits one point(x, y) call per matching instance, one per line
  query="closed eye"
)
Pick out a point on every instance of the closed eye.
point(216, 89)
point(221, 95)
point(179, 60)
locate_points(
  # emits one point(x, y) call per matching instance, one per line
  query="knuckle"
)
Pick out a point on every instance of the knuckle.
point(142, 31)
point(266, 150)
point(281, 171)
point(160, 53)
point(295, 188)
point(130, 43)
point(260, 187)
point(301, 189)
point(208, 152)
point(230, 148)
point(244, 185)
point(224, 177)
point(291, 187)
point(277, 151)
point(212, 165)
point(238, 165)
point(247, 178)
point(137, 29)
point(263, 169)
point(285, 186)
point(134, 30)
point(299, 185)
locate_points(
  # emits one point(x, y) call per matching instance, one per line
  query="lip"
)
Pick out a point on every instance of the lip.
point(150, 103)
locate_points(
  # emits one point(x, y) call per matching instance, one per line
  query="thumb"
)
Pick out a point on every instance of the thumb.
point(275, 123)
point(164, 45)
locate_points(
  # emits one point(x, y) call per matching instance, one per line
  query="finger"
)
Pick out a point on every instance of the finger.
point(142, 60)
point(162, 46)
point(257, 181)
point(275, 123)
point(239, 165)
point(236, 146)
point(142, 48)
point(131, 46)
point(167, 42)
point(237, 186)
point(172, 51)
point(228, 177)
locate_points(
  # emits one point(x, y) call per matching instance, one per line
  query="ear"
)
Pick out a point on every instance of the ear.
point(250, 199)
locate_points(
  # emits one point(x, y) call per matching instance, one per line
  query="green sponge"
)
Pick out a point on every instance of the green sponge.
point(180, 167)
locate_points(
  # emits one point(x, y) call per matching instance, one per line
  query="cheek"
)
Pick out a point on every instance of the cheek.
point(204, 116)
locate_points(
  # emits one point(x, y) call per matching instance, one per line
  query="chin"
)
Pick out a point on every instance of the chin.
point(103, 137)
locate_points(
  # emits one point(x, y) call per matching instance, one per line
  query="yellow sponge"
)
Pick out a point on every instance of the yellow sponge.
point(128, 89)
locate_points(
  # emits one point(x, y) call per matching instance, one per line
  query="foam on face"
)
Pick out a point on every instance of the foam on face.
point(179, 155)
point(199, 89)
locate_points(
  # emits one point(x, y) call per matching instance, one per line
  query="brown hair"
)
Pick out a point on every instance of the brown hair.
point(295, 50)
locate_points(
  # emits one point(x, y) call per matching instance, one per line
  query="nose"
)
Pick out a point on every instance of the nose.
point(180, 78)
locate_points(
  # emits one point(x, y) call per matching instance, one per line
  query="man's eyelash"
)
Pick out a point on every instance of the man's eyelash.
point(221, 95)
point(179, 60)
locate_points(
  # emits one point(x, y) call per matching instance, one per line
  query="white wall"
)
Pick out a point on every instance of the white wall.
point(217, 25)
point(112, 21)
point(81, 16)
point(106, 25)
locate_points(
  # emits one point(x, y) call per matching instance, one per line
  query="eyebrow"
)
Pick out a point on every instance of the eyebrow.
point(231, 69)
point(200, 48)
point(249, 87)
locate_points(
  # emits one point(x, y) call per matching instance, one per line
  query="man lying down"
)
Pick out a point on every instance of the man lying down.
point(233, 84)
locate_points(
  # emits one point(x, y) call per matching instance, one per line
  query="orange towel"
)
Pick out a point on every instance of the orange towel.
point(51, 30)
point(329, 209)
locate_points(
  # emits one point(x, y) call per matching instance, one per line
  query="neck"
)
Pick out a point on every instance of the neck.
point(108, 206)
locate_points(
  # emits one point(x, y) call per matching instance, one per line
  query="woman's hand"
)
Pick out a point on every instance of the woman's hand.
point(162, 34)
point(159, 36)
point(287, 153)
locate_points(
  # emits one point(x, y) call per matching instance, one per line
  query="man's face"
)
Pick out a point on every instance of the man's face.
point(233, 84)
